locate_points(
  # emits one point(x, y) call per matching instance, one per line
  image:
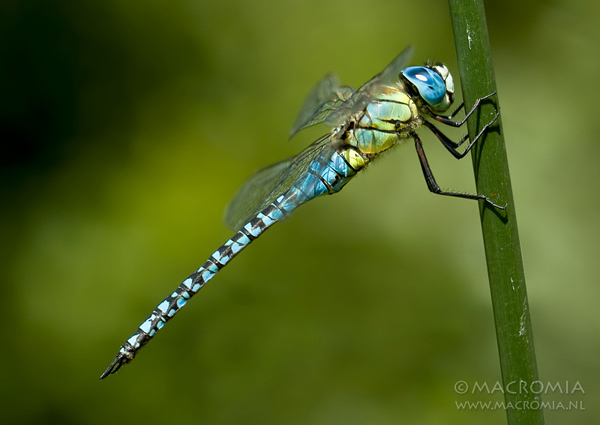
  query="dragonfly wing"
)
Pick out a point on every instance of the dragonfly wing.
point(365, 94)
point(324, 98)
point(269, 183)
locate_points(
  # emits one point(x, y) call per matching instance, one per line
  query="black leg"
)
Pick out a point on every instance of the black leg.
point(432, 184)
point(448, 144)
point(447, 119)
point(453, 146)
point(461, 106)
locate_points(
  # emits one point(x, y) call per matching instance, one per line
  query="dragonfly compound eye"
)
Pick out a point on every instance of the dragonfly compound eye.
point(428, 83)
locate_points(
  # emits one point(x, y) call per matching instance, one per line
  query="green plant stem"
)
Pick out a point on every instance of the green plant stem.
point(500, 234)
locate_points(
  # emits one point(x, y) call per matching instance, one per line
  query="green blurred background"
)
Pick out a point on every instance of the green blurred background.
point(126, 127)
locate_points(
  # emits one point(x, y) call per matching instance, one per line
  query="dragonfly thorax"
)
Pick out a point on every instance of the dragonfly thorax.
point(391, 116)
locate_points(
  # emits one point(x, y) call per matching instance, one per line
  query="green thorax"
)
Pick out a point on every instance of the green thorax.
point(391, 116)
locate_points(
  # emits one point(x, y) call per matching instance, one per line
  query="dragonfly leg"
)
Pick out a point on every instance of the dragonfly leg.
point(452, 146)
point(432, 184)
point(447, 119)
point(449, 144)
point(450, 116)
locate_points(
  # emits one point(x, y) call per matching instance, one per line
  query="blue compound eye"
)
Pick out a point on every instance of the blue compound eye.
point(428, 83)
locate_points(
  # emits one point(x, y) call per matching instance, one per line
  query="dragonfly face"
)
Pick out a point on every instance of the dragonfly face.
point(433, 83)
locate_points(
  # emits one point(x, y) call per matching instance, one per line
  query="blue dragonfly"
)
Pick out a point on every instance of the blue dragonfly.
point(385, 111)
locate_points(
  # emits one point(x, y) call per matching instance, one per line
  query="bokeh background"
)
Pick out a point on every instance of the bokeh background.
point(125, 129)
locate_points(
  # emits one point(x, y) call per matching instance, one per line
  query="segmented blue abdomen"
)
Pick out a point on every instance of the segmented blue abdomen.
point(324, 175)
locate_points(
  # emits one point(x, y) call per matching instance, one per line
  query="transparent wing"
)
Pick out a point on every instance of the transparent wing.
point(324, 98)
point(267, 184)
point(365, 94)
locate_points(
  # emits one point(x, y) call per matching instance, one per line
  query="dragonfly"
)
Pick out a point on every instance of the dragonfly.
point(385, 111)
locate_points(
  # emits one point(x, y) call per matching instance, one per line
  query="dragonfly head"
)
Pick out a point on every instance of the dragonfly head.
point(433, 83)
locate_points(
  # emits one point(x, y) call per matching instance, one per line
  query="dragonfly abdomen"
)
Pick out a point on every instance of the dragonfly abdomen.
point(324, 175)
point(193, 283)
